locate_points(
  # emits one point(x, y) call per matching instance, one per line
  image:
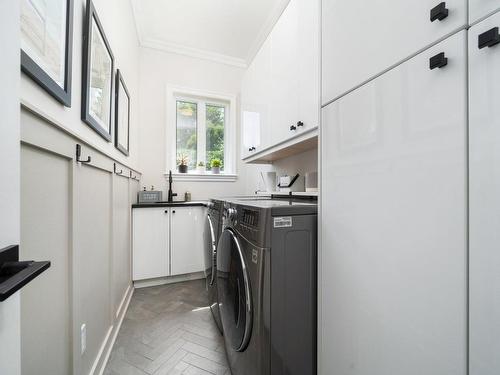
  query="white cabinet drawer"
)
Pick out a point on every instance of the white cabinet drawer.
point(361, 39)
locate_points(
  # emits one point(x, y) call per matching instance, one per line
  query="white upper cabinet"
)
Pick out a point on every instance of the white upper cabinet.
point(361, 39)
point(187, 244)
point(394, 220)
point(484, 190)
point(481, 8)
point(280, 89)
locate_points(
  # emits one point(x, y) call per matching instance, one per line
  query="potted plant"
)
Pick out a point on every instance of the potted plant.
point(201, 167)
point(215, 164)
point(182, 162)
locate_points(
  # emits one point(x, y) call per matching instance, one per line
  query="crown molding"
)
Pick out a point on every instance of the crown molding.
point(192, 52)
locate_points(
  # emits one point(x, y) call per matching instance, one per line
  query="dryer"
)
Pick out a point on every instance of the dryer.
point(266, 284)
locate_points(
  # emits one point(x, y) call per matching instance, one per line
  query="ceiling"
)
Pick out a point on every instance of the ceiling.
point(226, 31)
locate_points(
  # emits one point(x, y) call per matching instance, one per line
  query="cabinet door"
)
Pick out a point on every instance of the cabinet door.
point(150, 251)
point(481, 8)
point(484, 188)
point(187, 240)
point(363, 38)
point(308, 64)
point(256, 102)
point(284, 74)
point(393, 225)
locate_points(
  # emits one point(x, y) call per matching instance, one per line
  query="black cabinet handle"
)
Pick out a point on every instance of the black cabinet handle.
point(251, 149)
point(173, 211)
point(488, 38)
point(438, 61)
point(439, 12)
point(300, 123)
point(293, 127)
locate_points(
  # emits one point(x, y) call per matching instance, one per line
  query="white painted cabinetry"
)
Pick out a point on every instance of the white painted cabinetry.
point(484, 219)
point(150, 243)
point(393, 218)
point(187, 225)
point(361, 39)
point(479, 9)
point(167, 241)
point(280, 89)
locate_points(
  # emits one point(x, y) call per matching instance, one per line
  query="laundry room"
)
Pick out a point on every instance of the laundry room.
point(249, 187)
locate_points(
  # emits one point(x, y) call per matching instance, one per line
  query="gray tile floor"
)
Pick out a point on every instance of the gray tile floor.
point(168, 330)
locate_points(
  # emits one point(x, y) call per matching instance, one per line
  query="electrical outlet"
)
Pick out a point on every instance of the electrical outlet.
point(83, 338)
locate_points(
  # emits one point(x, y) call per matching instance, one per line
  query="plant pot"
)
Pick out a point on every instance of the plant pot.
point(215, 170)
point(201, 170)
point(183, 168)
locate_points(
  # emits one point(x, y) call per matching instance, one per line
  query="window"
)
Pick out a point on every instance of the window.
point(202, 131)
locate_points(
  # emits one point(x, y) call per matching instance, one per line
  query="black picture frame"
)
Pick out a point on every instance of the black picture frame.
point(120, 82)
point(38, 74)
point(86, 73)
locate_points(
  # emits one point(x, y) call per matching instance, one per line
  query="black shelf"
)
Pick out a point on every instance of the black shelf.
point(15, 274)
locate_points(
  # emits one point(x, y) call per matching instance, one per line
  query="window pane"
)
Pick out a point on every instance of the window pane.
point(215, 121)
point(186, 132)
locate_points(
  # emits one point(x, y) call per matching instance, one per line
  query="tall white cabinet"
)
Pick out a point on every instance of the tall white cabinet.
point(484, 133)
point(361, 39)
point(393, 226)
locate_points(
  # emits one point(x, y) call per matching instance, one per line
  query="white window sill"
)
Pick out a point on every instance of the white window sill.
point(208, 176)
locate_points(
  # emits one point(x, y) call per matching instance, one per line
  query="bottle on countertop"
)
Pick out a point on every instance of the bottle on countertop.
point(187, 196)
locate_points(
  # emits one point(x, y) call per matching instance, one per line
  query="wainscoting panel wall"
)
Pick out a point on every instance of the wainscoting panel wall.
point(45, 223)
point(78, 216)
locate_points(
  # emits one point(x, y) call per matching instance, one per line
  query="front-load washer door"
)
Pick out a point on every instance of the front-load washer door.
point(233, 286)
point(210, 251)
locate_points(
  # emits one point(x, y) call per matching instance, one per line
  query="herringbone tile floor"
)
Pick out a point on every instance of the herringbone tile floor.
point(169, 330)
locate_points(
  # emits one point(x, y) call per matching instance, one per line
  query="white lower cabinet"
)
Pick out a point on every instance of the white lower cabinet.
point(484, 211)
point(393, 263)
point(167, 241)
point(186, 233)
point(150, 243)
point(481, 8)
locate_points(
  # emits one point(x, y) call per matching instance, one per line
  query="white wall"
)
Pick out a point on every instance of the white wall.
point(157, 69)
point(119, 26)
point(9, 188)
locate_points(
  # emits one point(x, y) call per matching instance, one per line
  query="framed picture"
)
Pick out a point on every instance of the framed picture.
point(122, 114)
point(97, 77)
point(46, 45)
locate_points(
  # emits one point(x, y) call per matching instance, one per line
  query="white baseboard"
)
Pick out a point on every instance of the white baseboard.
point(168, 280)
point(107, 346)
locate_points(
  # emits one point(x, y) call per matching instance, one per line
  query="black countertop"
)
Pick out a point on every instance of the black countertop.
point(172, 204)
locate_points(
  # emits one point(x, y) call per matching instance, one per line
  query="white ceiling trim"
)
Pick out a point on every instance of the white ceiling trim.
point(193, 52)
point(207, 55)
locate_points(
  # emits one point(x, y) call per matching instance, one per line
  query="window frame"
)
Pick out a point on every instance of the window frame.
point(201, 98)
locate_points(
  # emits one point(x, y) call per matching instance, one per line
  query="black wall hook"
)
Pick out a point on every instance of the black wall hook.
point(118, 172)
point(79, 154)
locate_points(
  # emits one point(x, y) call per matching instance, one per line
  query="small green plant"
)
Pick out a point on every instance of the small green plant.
point(182, 159)
point(215, 163)
point(201, 164)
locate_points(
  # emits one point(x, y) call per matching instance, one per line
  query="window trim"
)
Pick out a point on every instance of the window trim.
point(175, 93)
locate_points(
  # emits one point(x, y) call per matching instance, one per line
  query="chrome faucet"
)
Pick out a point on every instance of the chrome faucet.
point(171, 195)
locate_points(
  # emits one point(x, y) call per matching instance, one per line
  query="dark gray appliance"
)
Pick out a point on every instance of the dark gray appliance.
point(213, 228)
point(266, 283)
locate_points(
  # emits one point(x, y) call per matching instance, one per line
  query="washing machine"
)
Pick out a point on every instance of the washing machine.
point(266, 286)
point(213, 228)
